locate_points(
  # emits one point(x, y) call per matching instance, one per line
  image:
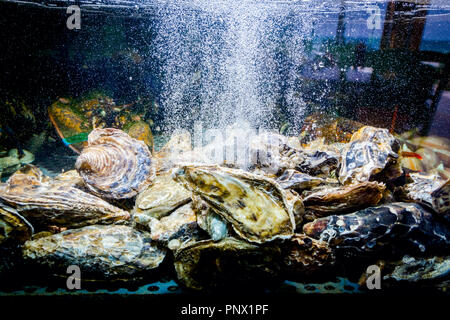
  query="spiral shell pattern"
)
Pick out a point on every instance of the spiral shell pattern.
point(114, 165)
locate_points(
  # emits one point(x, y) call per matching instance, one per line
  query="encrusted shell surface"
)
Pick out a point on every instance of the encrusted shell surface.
point(305, 256)
point(370, 151)
point(209, 264)
point(13, 227)
point(255, 205)
point(342, 199)
point(398, 228)
point(431, 190)
point(45, 202)
point(161, 198)
point(101, 251)
point(180, 224)
point(114, 165)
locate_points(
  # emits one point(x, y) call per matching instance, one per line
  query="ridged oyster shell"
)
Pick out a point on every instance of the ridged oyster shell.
point(101, 251)
point(255, 206)
point(45, 202)
point(208, 264)
point(342, 199)
point(114, 165)
point(13, 227)
point(181, 225)
point(397, 227)
point(370, 151)
point(161, 198)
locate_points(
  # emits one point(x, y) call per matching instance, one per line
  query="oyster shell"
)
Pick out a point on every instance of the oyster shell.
point(45, 202)
point(159, 199)
point(402, 227)
point(209, 264)
point(114, 165)
point(295, 204)
point(429, 189)
point(413, 269)
point(13, 227)
point(305, 256)
point(180, 224)
point(208, 220)
point(100, 251)
point(370, 151)
point(342, 199)
point(255, 206)
point(292, 179)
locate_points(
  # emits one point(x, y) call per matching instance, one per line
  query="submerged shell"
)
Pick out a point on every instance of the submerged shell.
point(161, 198)
point(402, 227)
point(216, 227)
point(342, 199)
point(292, 179)
point(255, 206)
point(45, 202)
point(413, 269)
point(114, 165)
point(304, 256)
point(180, 224)
point(206, 264)
point(370, 151)
point(431, 190)
point(13, 227)
point(101, 251)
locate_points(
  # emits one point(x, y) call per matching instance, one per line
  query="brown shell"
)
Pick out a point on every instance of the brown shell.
point(46, 202)
point(13, 227)
point(114, 165)
point(206, 264)
point(342, 199)
point(304, 256)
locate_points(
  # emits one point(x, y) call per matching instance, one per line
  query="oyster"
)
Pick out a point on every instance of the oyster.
point(114, 165)
point(413, 269)
point(100, 251)
point(159, 199)
point(370, 151)
point(342, 199)
point(13, 227)
point(255, 206)
point(429, 189)
point(70, 178)
point(206, 264)
point(208, 220)
point(180, 224)
point(304, 256)
point(45, 202)
point(295, 204)
point(402, 227)
point(292, 179)
point(13, 161)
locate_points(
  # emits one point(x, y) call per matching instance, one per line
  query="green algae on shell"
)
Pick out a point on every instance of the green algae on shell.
point(255, 206)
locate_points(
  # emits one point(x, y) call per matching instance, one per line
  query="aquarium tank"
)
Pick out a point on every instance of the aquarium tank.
point(178, 147)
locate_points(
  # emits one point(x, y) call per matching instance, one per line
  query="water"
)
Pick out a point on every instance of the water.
point(307, 69)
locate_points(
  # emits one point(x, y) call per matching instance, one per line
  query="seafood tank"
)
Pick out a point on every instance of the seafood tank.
point(176, 147)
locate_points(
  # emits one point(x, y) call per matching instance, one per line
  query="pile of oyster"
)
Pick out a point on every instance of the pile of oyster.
point(293, 210)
